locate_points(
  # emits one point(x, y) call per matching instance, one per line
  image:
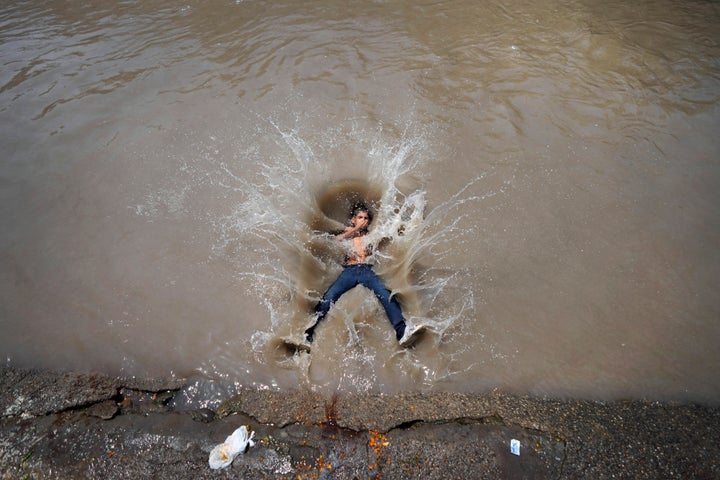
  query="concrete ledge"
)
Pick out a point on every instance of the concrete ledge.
point(68, 425)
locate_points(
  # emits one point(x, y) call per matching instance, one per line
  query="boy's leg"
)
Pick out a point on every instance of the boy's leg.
point(342, 284)
point(392, 308)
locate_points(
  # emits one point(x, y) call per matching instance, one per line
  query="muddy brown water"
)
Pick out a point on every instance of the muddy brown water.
point(546, 173)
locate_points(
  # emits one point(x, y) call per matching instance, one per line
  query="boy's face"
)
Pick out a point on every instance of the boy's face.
point(361, 219)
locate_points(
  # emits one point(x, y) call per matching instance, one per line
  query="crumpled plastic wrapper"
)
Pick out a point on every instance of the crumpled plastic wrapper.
point(223, 455)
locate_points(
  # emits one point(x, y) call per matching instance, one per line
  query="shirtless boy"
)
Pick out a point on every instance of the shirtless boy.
point(358, 271)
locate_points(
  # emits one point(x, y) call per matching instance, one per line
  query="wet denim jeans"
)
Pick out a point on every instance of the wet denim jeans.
point(352, 276)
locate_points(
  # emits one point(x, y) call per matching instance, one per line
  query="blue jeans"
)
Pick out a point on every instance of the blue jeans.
point(352, 276)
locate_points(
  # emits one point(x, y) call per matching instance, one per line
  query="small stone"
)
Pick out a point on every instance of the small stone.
point(105, 410)
point(204, 415)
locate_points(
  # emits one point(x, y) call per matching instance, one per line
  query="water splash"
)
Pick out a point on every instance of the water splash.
point(290, 258)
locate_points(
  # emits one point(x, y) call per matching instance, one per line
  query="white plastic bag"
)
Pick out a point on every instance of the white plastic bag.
point(223, 455)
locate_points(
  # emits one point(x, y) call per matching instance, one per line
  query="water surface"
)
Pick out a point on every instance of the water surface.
point(169, 170)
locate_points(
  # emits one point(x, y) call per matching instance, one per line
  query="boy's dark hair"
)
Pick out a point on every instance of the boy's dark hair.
point(361, 207)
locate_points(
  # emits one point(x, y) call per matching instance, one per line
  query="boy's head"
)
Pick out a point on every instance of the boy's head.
point(360, 209)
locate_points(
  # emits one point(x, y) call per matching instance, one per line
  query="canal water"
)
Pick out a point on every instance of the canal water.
point(544, 177)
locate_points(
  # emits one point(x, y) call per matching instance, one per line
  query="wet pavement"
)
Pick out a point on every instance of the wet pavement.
point(69, 425)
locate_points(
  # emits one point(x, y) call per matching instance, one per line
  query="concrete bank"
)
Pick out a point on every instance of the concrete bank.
point(68, 425)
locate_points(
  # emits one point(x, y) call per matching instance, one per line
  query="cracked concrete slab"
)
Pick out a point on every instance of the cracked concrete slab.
point(65, 425)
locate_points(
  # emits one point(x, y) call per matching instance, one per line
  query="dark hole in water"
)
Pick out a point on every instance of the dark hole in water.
point(335, 203)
